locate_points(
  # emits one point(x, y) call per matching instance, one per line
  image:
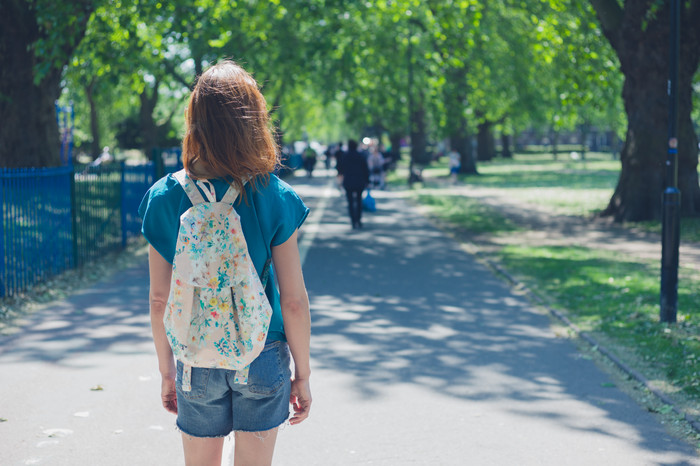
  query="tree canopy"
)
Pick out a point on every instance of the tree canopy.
point(430, 70)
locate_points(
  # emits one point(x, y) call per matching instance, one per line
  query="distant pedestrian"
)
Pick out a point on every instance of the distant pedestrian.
point(227, 146)
point(339, 154)
point(309, 160)
point(104, 158)
point(455, 163)
point(328, 153)
point(352, 166)
point(376, 163)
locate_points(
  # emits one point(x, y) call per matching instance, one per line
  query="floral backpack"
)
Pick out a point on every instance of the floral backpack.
point(217, 315)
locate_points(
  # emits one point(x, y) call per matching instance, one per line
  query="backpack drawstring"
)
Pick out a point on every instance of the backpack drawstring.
point(208, 189)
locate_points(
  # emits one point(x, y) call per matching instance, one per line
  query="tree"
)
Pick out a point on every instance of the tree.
point(454, 27)
point(356, 69)
point(92, 79)
point(37, 39)
point(638, 31)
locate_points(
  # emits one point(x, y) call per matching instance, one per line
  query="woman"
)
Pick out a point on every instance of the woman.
point(229, 143)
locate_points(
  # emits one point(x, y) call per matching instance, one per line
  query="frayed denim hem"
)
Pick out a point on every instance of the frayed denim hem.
point(281, 426)
point(261, 434)
point(187, 434)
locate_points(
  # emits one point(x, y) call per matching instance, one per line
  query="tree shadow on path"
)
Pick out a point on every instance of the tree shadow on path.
point(110, 317)
point(399, 303)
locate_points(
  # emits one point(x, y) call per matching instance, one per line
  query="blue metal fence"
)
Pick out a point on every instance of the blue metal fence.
point(97, 211)
point(36, 226)
point(136, 180)
point(53, 219)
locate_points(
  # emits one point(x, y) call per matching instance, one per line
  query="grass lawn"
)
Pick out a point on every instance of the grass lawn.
point(612, 296)
point(564, 186)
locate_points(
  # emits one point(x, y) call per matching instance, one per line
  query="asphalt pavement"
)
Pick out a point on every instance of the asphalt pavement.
point(420, 355)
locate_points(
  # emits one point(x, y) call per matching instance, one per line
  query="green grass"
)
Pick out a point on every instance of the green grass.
point(612, 296)
point(570, 187)
point(602, 292)
point(459, 210)
point(690, 229)
point(616, 296)
point(564, 186)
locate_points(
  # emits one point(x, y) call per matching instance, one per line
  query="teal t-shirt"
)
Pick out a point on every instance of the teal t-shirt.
point(269, 215)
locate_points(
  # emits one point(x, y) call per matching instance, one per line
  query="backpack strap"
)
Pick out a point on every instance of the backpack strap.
point(265, 275)
point(232, 193)
point(189, 187)
point(195, 195)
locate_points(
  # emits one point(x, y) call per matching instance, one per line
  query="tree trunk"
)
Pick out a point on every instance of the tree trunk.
point(276, 115)
point(614, 145)
point(278, 131)
point(455, 99)
point(419, 136)
point(95, 148)
point(555, 144)
point(486, 147)
point(29, 134)
point(29, 131)
point(149, 128)
point(198, 68)
point(642, 179)
point(395, 141)
point(506, 153)
point(462, 143)
point(641, 42)
point(585, 132)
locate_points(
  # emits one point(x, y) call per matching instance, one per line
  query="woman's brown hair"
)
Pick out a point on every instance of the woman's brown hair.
point(228, 131)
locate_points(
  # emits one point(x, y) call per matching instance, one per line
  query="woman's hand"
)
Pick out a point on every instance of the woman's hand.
point(168, 394)
point(300, 400)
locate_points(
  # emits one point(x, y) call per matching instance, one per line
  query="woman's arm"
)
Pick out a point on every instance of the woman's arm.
point(160, 272)
point(297, 322)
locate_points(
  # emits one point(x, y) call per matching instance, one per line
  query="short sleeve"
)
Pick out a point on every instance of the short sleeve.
point(285, 211)
point(159, 211)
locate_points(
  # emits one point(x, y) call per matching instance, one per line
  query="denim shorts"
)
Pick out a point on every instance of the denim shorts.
point(216, 406)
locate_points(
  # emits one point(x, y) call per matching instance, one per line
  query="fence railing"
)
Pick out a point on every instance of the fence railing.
point(54, 219)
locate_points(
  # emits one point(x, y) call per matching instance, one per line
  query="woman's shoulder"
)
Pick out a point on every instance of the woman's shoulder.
point(273, 186)
point(277, 196)
point(166, 190)
point(168, 186)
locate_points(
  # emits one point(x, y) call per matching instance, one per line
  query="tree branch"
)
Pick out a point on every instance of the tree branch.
point(170, 68)
point(167, 121)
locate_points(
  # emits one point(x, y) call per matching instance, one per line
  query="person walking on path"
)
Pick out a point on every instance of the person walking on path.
point(227, 142)
point(376, 163)
point(309, 162)
point(352, 166)
point(455, 163)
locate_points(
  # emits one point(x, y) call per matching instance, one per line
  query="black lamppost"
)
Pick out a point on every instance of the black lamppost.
point(410, 97)
point(670, 236)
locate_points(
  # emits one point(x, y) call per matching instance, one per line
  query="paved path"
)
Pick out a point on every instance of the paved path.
point(420, 356)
